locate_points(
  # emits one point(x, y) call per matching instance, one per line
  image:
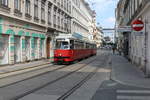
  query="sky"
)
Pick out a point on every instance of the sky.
point(105, 14)
point(105, 10)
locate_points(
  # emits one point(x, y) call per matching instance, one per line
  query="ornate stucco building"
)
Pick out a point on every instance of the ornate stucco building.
point(28, 28)
point(82, 19)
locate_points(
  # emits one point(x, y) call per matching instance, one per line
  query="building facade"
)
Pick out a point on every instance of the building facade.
point(82, 19)
point(28, 28)
point(136, 45)
point(98, 36)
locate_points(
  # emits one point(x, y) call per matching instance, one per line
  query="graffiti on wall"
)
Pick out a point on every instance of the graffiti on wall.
point(3, 48)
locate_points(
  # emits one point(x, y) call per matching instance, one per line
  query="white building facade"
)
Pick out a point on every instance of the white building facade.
point(82, 19)
point(136, 44)
point(28, 28)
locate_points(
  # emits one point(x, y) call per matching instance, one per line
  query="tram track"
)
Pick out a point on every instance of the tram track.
point(51, 82)
point(51, 71)
point(70, 91)
point(80, 83)
point(30, 77)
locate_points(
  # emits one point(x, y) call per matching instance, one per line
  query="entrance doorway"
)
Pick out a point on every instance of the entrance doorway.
point(4, 49)
point(27, 48)
point(17, 52)
point(48, 47)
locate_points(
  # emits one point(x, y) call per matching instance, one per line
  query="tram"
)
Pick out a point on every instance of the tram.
point(69, 49)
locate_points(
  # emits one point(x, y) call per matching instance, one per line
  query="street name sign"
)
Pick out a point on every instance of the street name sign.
point(124, 29)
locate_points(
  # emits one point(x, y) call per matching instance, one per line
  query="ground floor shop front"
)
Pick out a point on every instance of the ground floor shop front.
point(22, 42)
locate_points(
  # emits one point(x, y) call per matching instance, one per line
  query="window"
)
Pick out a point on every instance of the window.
point(17, 4)
point(54, 20)
point(27, 7)
point(43, 10)
point(4, 2)
point(62, 3)
point(62, 45)
point(70, 7)
point(36, 8)
point(65, 4)
point(49, 13)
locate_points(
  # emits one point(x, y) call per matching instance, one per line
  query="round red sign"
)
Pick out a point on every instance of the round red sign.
point(137, 25)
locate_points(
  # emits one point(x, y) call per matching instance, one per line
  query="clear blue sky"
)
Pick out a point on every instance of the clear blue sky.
point(105, 10)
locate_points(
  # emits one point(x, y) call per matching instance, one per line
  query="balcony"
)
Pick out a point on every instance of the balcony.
point(58, 3)
point(36, 19)
point(42, 21)
point(49, 23)
point(28, 16)
point(54, 25)
point(17, 13)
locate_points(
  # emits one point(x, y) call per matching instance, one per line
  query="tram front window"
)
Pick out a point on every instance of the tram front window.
point(62, 45)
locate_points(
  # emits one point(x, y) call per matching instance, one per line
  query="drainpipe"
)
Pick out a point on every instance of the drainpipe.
point(146, 70)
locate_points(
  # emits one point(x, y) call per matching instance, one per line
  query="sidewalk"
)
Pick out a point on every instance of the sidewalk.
point(21, 66)
point(126, 73)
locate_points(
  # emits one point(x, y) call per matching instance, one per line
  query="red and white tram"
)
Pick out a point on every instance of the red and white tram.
point(70, 49)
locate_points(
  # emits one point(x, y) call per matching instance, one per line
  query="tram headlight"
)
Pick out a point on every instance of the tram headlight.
point(60, 54)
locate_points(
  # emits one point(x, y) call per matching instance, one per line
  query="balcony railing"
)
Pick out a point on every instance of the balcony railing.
point(17, 12)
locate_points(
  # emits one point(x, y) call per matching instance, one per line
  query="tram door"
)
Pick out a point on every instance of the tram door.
point(27, 48)
point(17, 52)
point(48, 47)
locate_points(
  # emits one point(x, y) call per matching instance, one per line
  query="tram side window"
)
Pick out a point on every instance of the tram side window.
point(87, 46)
point(71, 44)
point(76, 45)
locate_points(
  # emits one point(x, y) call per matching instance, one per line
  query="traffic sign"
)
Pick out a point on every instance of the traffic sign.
point(124, 29)
point(137, 25)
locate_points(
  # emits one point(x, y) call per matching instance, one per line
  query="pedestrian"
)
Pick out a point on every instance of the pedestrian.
point(119, 50)
point(114, 48)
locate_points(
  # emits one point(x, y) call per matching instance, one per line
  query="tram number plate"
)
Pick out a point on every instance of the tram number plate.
point(61, 59)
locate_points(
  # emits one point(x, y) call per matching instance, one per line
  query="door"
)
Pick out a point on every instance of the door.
point(41, 48)
point(36, 47)
point(48, 47)
point(27, 48)
point(4, 50)
point(17, 52)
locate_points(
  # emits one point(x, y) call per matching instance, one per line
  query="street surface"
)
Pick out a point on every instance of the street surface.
point(89, 79)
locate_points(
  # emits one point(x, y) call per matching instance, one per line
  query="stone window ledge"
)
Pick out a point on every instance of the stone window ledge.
point(4, 8)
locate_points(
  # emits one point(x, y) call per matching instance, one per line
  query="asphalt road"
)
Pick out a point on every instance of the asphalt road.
point(85, 80)
point(111, 90)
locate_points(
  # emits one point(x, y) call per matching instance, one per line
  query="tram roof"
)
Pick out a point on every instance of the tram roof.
point(74, 37)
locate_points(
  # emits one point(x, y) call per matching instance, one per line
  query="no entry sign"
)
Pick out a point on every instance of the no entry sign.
point(137, 25)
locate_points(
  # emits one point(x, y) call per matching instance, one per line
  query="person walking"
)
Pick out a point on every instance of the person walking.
point(114, 48)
